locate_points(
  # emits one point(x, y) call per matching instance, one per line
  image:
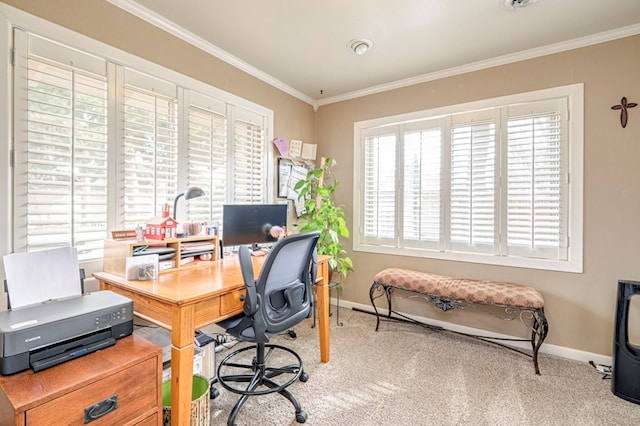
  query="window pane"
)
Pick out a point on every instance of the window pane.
point(249, 170)
point(66, 158)
point(534, 181)
point(473, 165)
point(422, 185)
point(380, 187)
point(207, 158)
point(150, 154)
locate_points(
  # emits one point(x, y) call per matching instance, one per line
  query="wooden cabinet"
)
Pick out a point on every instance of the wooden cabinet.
point(120, 385)
point(184, 250)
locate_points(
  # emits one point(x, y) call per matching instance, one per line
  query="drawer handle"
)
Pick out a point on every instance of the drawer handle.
point(101, 408)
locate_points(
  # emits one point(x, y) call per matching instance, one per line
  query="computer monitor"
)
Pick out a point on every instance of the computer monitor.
point(251, 223)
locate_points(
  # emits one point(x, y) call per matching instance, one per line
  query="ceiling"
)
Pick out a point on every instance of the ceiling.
point(302, 48)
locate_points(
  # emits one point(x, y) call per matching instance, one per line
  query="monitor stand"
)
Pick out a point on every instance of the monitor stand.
point(256, 250)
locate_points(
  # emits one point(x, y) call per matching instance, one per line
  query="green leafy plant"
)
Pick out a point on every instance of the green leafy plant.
point(322, 214)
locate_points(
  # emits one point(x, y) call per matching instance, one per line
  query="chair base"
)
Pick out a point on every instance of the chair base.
point(272, 368)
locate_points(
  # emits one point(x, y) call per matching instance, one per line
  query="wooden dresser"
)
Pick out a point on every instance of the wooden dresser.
point(128, 375)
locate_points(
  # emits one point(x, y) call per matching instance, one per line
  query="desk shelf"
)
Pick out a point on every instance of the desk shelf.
point(116, 251)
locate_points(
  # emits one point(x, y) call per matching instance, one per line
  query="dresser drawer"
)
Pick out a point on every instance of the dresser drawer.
point(231, 302)
point(137, 394)
point(152, 420)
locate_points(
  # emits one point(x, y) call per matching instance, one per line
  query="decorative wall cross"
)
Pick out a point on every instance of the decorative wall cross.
point(623, 110)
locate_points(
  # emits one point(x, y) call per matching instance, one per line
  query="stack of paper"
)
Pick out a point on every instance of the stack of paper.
point(40, 276)
point(195, 248)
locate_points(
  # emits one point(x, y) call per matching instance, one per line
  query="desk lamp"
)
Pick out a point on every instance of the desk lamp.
point(193, 192)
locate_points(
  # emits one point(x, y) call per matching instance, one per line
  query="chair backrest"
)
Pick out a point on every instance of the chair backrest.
point(281, 297)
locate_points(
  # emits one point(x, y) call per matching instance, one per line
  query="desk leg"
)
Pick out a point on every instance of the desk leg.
point(182, 334)
point(322, 297)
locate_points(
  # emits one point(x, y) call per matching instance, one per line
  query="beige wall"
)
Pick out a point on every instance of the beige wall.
point(580, 307)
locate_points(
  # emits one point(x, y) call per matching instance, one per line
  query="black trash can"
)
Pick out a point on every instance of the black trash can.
point(625, 381)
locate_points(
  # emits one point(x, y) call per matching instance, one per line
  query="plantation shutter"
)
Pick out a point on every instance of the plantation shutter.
point(473, 182)
point(422, 194)
point(61, 148)
point(150, 147)
point(249, 158)
point(207, 158)
point(536, 205)
point(379, 187)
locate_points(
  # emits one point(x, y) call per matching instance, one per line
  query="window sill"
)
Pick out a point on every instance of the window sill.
point(486, 259)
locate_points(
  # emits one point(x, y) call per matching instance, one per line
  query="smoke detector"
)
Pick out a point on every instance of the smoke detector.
point(518, 4)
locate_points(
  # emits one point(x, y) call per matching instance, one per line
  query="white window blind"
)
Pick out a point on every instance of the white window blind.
point(483, 182)
point(473, 183)
point(422, 198)
point(150, 147)
point(102, 146)
point(207, 160)
point(379, 191)
point(536, 213)
point(61, 148)
point(249, 173)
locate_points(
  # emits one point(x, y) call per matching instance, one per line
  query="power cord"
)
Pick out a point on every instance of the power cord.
point(137, 326)
point(605, 370)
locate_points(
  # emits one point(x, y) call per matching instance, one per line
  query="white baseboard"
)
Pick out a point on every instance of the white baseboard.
point(561, 351)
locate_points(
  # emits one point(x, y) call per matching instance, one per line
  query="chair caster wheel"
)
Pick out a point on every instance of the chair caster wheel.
point(304, 377)
point(213, 393)
point(301, 417)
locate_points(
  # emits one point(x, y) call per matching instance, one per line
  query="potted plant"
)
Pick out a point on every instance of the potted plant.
point(322, 214)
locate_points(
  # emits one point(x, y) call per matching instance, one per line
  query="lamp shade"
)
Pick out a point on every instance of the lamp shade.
point(190, 193)
point(193, 192)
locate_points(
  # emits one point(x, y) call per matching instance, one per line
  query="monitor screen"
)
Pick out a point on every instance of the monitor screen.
point(251, 223)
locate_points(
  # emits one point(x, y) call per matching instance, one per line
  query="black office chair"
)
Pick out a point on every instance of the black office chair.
point(278, 300)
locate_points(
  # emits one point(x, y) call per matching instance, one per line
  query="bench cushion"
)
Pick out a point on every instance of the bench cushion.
point(473, 291)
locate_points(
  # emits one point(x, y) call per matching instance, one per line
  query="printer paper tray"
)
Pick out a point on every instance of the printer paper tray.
point(70, 350)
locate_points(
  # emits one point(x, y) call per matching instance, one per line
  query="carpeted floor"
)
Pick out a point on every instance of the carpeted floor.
point(408, 375)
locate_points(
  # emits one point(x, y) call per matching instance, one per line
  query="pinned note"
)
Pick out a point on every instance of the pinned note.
point(309, 151)
point(282, 145)
point(295, 148)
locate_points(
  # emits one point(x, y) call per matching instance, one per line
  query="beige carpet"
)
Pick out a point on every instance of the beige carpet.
point(407, 375)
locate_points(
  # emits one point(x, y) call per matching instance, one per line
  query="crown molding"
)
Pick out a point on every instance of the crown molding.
point(177, 31)
point(480, 65)
point(164, 24)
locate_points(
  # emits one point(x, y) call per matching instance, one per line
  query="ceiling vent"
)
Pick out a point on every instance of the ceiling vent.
point(517, 4)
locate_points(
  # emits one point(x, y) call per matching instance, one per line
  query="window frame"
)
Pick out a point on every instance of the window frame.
point(574, 145)
point(118, 61)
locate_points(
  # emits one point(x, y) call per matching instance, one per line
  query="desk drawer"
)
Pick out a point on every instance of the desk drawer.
point(230, 303)
point(136, 387)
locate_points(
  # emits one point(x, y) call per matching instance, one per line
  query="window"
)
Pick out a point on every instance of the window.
point(102, 145)
point(227, 161)
point(497, 181)
point(61, 149)
point(150, 122)
point(249, 173)
point(207, 151)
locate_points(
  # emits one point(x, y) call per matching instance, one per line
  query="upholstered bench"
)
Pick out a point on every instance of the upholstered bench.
point(513, 300)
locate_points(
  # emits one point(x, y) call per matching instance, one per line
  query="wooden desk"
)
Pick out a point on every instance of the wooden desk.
point(185, 300)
